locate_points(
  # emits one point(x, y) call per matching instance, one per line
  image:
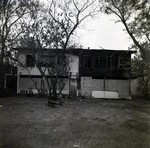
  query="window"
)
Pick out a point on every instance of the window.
point(103, 62)
point(108, 62)
point(88, 61)
point(120, 63)
point(124, 62)
point(115, 62)
point(43, 63)
point(30, 60)
point(61, 59)
point(97, 62)
point(46, 61)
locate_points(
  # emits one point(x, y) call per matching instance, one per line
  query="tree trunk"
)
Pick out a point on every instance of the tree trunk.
point(2, 70)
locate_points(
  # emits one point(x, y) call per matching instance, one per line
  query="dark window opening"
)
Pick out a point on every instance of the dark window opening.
point(88, 61)
point(46, 61)
point(103, 62)
point(30, 60)
point(61, 59)
point(109, 62)
point(97, 62)
point(115, 63)
point(121, 63)
point(126, 62)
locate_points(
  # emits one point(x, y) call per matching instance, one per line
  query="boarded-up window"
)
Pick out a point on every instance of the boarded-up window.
point(30, 60)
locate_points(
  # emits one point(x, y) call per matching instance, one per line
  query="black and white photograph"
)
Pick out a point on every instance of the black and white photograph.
point(74, 74)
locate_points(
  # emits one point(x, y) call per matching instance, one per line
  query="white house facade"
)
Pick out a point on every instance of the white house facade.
point(92, 73)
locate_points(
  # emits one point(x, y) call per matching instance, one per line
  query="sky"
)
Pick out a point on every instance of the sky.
point(103, 32)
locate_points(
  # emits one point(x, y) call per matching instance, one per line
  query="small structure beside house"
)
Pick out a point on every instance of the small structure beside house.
point(93, 73)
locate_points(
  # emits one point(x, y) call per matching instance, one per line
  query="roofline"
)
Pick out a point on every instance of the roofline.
point(82, 49)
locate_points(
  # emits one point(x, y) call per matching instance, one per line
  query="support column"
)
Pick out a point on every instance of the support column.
point(18, 79)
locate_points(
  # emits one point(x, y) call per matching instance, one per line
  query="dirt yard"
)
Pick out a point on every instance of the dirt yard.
point(26, 122)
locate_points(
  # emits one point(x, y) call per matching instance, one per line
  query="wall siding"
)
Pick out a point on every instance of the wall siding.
point(122, 86)
point(97, 84)
point(25, 83)
point(88, 85)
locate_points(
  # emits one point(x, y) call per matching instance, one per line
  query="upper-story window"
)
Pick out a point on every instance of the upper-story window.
point(51, 60)
point(115, 62)
point(103, 62)
point(97, 61)
point(106, 62)
point(88, 61)
point(61, 59)
point(109, 62)
point(44, 61)
point(124, 61)
point(30, 61)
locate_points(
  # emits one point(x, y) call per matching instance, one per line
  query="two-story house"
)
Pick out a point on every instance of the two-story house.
point(92, 73)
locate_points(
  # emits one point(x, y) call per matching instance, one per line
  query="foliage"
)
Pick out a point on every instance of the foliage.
point(11, 13)
point(48, 34)
point(134, 15)
point(141, 69)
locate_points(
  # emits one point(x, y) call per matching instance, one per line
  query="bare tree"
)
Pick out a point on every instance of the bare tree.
point(43, 38)
point(48, 35)
point(134, 15)
point(11, 13)
point(71, 14)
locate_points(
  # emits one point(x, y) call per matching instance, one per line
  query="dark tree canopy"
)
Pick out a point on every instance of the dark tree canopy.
point(11, 13)
point(134, 15)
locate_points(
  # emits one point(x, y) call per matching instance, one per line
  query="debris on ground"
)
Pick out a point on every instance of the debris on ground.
point(75, 145)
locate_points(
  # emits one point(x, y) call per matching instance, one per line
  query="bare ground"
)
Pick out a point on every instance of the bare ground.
point(26, 122)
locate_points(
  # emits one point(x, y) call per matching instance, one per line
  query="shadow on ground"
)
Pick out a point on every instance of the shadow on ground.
point(26, 122)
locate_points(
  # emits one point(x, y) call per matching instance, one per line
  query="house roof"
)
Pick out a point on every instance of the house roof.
point(76, 50)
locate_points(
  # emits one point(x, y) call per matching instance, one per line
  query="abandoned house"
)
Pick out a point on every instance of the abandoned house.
point(92, 73)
